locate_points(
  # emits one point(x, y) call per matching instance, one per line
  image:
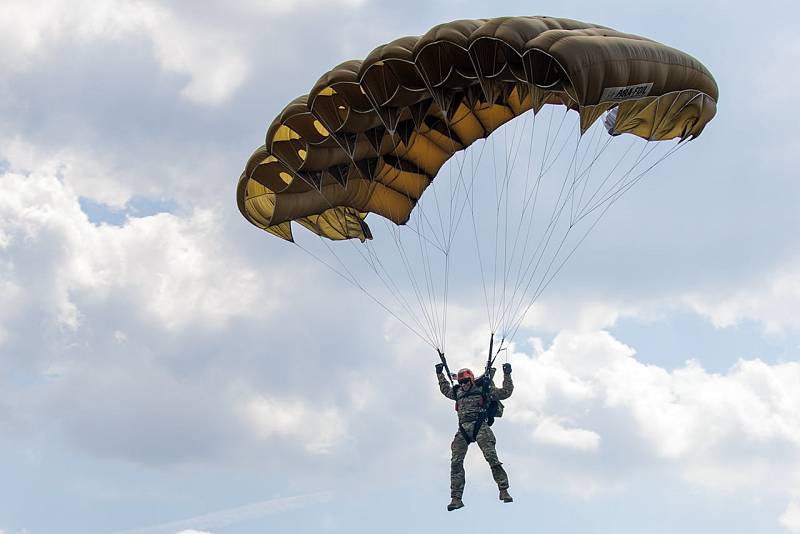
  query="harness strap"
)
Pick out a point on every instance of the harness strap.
point(464, 433)
point(475, 429)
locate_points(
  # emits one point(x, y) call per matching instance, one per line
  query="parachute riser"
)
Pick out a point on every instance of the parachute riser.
point(487, 373)
point(491, 357)
point(446, 368)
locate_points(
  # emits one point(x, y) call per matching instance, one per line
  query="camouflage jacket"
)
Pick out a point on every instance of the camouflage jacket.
point(469, 402)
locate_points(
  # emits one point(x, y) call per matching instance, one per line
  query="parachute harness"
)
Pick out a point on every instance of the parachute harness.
point(486, 380)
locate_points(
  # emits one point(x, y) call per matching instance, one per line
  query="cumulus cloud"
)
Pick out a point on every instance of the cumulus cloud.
point(215, 65)
point(319, 429)
point(560, 314)
point(790, 519)
point(211, 58)
point(549, 431)
point(173, 269)
point(83, 300)
point(11, 296)
point(772, 301)
point(723, 431)
point(768, 299)
point(133, 405)
point(87, 173)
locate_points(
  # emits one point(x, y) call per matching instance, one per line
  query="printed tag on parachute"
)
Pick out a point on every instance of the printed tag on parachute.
point(624, 93)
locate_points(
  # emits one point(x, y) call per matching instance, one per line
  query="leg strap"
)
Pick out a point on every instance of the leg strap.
point(471, 439)
point(478, 424)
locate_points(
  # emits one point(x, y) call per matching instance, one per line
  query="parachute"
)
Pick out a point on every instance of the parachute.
point(373, 136)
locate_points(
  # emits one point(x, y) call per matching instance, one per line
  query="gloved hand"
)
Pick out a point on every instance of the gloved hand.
point(439, 367)
point(507, 368)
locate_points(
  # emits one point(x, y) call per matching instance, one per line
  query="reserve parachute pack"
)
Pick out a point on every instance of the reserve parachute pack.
point(494, 408)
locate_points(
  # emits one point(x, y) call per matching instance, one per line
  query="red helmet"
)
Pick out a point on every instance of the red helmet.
point(465, 375)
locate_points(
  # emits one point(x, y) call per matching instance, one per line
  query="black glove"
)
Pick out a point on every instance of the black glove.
point(507, 368)
point(439, 367)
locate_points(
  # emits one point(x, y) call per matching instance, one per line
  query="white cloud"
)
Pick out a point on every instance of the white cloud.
point(174, 269)
point(212, 59)
point(772, 301)
point(10, 299)
point(556, 314)
point(320, 429)
point(769, 299)
point(550, 432)
point(216, 66)
point(719, 430)
point(88, 174)
point(790, 519)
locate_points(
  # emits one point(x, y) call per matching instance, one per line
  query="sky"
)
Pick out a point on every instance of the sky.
point(165, 367)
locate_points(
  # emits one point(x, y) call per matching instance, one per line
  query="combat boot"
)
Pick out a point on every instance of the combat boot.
point(505, 497)
point(455, 504)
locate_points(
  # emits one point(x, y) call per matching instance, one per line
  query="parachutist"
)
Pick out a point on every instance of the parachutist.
point(477, 404)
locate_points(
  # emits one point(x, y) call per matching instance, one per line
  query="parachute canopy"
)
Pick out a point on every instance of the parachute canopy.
point(372, 134)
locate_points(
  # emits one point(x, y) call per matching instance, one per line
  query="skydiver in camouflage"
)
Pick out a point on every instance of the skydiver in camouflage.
point(471, 405)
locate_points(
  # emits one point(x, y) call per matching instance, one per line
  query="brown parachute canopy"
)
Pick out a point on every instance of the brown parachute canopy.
point(372, 134)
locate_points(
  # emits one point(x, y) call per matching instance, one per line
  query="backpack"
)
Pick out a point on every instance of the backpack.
point(494, 410)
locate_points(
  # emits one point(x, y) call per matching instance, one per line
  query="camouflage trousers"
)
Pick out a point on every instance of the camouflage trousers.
point(486, 441)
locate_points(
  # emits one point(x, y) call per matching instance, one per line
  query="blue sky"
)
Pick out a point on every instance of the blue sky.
point(165, 367)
